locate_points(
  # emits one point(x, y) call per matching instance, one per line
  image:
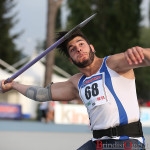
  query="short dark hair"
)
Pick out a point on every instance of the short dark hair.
point(63, 46)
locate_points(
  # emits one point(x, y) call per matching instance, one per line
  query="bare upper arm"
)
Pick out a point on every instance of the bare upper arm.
point(118, 63)
point(65, 91)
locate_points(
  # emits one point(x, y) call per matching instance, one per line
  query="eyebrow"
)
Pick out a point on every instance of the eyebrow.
point(76, 42)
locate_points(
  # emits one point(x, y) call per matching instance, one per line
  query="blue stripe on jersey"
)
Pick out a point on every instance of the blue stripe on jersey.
point(108, 82)
point(81, 80)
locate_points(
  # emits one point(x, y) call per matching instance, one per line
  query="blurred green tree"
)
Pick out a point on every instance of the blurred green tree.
point(114, 29)
point(142, 74)
point(8, 50)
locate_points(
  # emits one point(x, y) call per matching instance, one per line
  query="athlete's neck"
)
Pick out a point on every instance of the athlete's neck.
point(92, 68)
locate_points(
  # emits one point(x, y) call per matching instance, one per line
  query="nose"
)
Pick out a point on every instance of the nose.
point(78, 49)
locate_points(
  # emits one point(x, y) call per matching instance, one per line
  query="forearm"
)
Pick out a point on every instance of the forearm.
point(33, 92)
point(21, 88)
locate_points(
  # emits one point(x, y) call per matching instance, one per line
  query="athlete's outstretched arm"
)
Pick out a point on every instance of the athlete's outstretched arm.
point(132, 58)
point(58, 91)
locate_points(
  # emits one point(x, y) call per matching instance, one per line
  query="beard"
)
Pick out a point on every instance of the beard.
point(86, 62)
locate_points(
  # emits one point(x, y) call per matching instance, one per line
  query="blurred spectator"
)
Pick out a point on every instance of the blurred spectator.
point(148, 103)
point(43, 109)
point(141, 102)
point(50, 112)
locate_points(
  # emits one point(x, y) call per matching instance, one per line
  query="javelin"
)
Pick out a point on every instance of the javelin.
point(53, 46)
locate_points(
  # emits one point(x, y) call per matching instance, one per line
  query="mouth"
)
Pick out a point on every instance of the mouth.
point(82, 58)
point(82, 55)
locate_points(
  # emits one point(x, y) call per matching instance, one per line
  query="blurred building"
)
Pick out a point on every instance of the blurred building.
point(33, 76)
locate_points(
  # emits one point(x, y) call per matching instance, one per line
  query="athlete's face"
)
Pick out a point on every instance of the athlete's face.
point(81, 53)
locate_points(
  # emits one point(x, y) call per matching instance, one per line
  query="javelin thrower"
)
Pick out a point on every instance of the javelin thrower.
point(107, 88)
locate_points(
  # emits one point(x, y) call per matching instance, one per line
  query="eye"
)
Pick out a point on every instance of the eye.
point(81, 44)
point(71, 49)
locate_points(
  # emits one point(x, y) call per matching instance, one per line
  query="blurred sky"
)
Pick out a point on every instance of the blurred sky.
point(32, 19)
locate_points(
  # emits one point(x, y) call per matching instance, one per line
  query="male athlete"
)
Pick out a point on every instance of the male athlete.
point(107, 88)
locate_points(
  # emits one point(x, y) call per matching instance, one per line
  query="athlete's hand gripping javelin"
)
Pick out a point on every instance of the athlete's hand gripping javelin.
point(5, 87)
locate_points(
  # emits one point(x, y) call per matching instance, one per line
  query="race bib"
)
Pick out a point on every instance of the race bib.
point(92, 91)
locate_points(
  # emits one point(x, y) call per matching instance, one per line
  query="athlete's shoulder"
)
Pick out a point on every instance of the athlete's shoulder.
point(75, 78)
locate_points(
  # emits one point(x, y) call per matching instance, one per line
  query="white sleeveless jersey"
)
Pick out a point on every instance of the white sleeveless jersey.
point(110, 99)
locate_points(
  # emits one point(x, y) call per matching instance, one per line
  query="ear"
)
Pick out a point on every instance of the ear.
point(92, 47)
